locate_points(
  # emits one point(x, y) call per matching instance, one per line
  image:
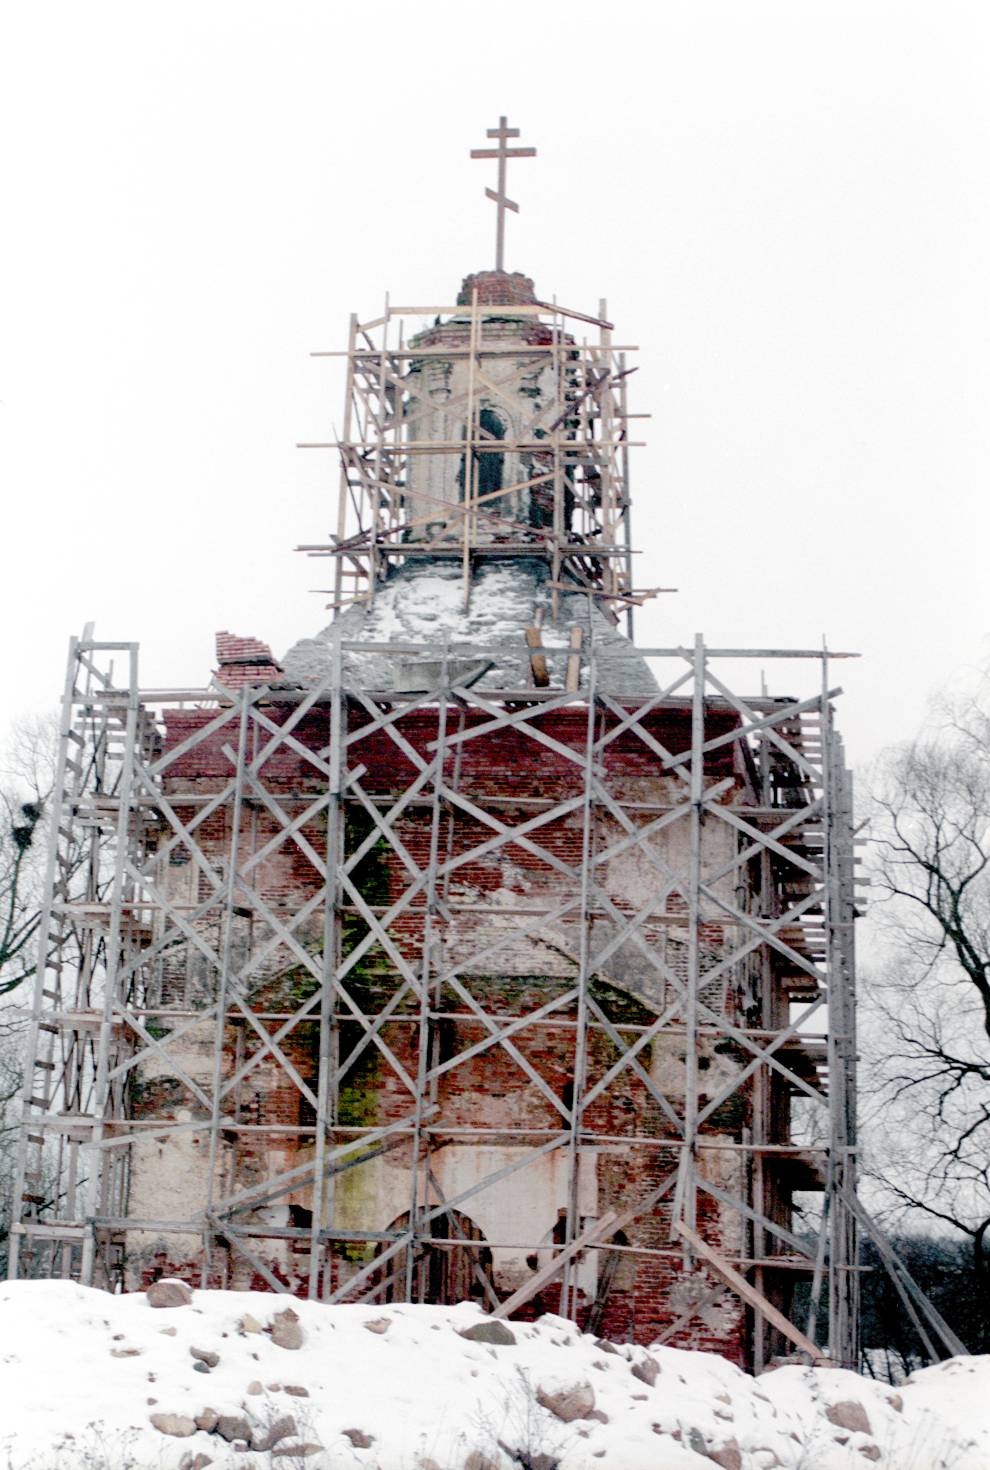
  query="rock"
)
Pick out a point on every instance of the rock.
point(359, 1439)
point(606, 1346)
point(297, 1390)
point(532, 1459)
point(477, 1460)
point(125, 1352)
point(233, 1426)
point(249, 1324)
point(848, 1414)
point(200, 1368)
point(254, 1386)
point(871, 1451)
point(896, 1402)
point(210, 1359)
point(600, 1415)
point(568, 1404)
point(647, 1371)
point(274, 1387)
point(190, 1461)
point(179, 1425)
point(206, 1419)
point(286, 1330)
point(729, 1456)
point(301, 1451)
point(266, 1437)
point(494, 1332)
point(168, 1331)
point(378, 1324)
point(169, 1292)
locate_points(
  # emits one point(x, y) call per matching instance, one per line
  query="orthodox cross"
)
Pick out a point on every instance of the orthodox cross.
point(503, 133)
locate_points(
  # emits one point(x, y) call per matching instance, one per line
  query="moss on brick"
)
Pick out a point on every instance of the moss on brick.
point(157, 1096)
point(370, 875)
point(620, 1006)
point(730, 1118)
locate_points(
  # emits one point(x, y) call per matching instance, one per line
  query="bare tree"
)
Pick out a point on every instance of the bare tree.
point(27, 768)
point(20, 916)
point(929, 1046)
point(26, 779)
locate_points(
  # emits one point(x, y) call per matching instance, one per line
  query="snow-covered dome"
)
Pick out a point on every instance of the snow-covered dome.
point(422, 604)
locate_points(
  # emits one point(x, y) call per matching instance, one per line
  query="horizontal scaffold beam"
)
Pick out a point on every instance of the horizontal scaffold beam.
point(321, 901)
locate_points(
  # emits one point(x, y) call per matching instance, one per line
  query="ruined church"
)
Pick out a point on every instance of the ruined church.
point(466, 950)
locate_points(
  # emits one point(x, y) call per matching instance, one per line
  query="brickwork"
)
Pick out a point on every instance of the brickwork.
point(244, 662)
point(499, 773)
point(497, 288)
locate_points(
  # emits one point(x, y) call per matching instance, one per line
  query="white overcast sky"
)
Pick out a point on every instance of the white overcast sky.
point(786, 205)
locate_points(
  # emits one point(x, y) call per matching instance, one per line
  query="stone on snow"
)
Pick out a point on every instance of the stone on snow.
point(168, 1292)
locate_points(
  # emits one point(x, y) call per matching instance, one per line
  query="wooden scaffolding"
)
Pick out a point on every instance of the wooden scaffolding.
point(783, 900)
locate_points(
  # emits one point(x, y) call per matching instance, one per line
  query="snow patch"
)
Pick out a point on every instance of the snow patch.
point(82, 1372)
point(423, 604)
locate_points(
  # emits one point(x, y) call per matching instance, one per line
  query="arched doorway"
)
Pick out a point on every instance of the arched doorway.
point(443, 1274)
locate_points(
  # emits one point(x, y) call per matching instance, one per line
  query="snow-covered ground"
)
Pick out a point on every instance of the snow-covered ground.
point(254, 1380)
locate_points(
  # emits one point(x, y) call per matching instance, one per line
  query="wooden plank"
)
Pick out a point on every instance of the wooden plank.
point(572, 680)
point(537, 660)
point(749, 1293)
point(595, 1235)
point(605, 1226)
point(446, 352)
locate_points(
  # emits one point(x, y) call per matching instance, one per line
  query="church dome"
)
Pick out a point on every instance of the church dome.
point(422, 603)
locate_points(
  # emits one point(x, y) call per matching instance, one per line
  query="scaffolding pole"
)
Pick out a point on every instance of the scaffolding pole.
point(165, 941)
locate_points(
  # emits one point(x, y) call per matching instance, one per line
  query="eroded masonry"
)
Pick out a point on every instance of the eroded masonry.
point(468, 950)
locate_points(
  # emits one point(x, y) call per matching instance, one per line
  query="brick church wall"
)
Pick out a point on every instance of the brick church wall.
point(494, 771)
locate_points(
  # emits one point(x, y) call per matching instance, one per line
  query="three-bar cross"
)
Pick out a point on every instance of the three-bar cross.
point(503, 133)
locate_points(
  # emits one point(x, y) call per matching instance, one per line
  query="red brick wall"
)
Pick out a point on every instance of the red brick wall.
point(506, 764)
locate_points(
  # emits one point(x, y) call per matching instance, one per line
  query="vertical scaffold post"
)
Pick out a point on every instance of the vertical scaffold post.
point(329, 1045)
point(843, 1242)
point(687, 1199)
point(420, 1156)
point(93, 1154)
point(224, 982)
point(568, 1290)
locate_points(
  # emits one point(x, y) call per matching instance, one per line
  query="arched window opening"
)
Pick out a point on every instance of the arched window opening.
point(489, 464)
point(442, 1274)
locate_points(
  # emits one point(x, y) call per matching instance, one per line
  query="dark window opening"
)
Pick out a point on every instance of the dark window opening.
point(488, 464)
